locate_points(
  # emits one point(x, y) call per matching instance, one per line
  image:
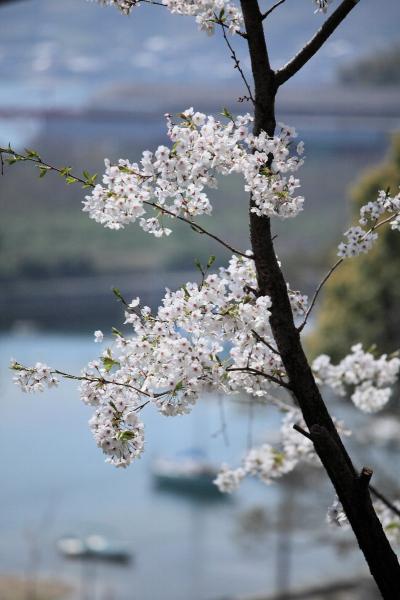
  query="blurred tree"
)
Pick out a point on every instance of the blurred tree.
point(361, 301)
point(379, 68)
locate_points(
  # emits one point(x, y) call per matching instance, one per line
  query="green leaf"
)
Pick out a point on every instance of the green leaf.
point(109, 363)
point(174, 147)
point(187, 295)
point(178, 387)
point(15, 366)
point(69, 179)
point(32, 153)
point(198, 265)
point(211, 261)
point(116, 332)
point(43, 171)
point(125, 436)
point(124, 169)
point(226, 113)
point(392, 525)
point(117, 293)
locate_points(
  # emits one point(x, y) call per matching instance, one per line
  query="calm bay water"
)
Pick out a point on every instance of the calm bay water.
point(54, 482)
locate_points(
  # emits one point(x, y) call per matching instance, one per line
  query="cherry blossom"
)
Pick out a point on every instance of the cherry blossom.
point(98, 336)
point(206, 12)
point(322, 5)
point(34, 379)
point(268, 463)
point(173, 180)
point(368, 377)
point(389, 519)
point(361, 238)
point(228, 480)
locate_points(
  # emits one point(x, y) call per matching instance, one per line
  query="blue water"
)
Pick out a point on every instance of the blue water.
point(54, 482)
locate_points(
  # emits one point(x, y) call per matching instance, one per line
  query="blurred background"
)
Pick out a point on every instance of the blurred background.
point(79, 83)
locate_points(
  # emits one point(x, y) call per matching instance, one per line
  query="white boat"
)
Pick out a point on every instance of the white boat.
point(188, 473)
point(92, 547)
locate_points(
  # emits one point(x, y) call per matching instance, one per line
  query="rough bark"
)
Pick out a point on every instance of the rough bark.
point(350, 488)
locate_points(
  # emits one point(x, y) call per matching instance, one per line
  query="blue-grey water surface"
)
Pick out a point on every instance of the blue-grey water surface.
point(54, 482)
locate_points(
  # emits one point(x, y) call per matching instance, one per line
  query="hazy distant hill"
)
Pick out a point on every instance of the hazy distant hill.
point(376, 69)
point(54, 52)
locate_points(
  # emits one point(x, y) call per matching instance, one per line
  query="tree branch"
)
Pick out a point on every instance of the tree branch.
point(259, 338)
point(252, 371)
point(364, 478)
point(356, 502)
point(293, 66)
point(36, 159)
point(337, 264)
point(270, 10)
point(385, 500)
point(198, 228)
point(237, 62)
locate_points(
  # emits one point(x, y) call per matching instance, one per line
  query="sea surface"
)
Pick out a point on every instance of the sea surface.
point(54, 482)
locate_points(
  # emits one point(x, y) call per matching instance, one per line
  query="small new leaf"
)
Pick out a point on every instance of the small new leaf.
point(109, 363)
point(125, 436)
point(117, 293)
point(211, 261)
point(43, 171)
point(32, 153)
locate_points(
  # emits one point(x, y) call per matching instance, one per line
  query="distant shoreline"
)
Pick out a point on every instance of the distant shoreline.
point(148, 103)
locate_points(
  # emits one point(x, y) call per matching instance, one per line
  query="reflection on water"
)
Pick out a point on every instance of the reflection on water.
point(55, 483)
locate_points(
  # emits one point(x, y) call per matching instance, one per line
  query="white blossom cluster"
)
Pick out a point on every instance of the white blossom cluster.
point(336, 515)
point(361, 238)
point(34, 379)
point(268, 463)
point(212, 335)
point(358, 242)
point(115, 424)
point(172, 180)
point(389, 519)
point(322, 5)
point(207, 12)
point(264, 462)
point(367, 376)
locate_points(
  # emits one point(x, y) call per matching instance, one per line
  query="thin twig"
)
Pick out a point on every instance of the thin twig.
point(198, 228)
point(367, 474)
point(385, 500)
point(104, 381)
point(270, 10)
point(195, 226)
point(308, 51)
point(376, 226)
point(264, 341)
point(317, 291)
point(302, 431)
point(252, 371)
point(225, 26)
point(237, 62)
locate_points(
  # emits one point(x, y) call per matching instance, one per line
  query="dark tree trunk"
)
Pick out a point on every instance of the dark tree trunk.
point(351, 489)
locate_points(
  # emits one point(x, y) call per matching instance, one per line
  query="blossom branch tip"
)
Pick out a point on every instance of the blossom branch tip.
point(365, 477)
